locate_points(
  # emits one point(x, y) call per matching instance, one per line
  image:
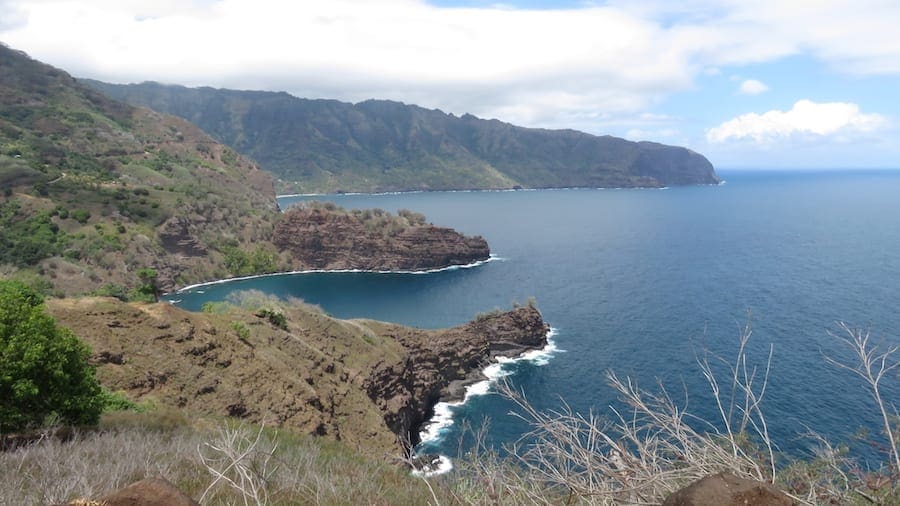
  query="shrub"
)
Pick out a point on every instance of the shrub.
point(241, 330)
point(44, 372)
point(81, 216)
point(148, 289)
point(275, 318)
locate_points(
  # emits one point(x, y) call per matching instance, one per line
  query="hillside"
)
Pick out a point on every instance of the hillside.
point(94, 189)
point(376, 145)
point(289, 364)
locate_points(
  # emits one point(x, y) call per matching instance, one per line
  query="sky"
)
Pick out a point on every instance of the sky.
point(750, 84)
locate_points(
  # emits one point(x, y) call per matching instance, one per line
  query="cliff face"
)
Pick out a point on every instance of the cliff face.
point(331, 238)
point(379, 145)
point(360, 381)
point(437, 366)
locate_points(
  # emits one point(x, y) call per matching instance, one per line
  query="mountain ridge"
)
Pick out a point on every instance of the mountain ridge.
point(325, 145)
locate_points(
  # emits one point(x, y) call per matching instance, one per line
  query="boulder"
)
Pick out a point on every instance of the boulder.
point(149, 492)
point(726, 489)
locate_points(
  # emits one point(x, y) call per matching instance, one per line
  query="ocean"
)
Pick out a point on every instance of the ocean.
point(643, 282)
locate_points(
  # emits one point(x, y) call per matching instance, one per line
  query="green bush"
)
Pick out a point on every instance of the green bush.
point(44, 372)
point(27, 239)
point(81, 216)
point(148, 288)
point(243, 263)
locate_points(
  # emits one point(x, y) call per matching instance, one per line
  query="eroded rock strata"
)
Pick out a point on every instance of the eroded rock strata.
point(438, 367)
point(323, 237)
point(360, 381)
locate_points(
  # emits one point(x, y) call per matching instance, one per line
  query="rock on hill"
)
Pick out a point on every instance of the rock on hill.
point(323, 236)
point(377, 145)
point(360, 381)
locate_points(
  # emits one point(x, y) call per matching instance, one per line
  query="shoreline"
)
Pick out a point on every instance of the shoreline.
point(485, 190)
point(478, 263)
point(442, 417)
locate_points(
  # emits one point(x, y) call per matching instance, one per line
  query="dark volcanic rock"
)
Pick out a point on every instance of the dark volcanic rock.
point(438, 366)
point(725, 489)
point(149, 492)
point(331, 238)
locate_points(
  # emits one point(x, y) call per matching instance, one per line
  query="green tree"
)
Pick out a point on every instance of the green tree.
point(43, 368)
point(149, 288)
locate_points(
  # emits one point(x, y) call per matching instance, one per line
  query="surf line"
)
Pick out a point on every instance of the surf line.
point(435, 429)
point(491, 258)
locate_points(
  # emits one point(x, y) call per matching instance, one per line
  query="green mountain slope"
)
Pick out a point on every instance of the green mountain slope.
point(326, 145)
point(94, 189)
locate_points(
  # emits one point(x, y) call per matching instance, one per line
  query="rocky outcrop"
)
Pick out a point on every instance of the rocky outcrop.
point(725, 489)
point(439, 366)
point(359, 381)
point(149, 492)
point(327, 237)
point(178, 235)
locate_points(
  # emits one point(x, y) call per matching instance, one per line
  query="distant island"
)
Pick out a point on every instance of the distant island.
point(327, 146)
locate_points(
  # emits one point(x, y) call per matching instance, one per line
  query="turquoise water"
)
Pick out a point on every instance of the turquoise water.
point(640, 281)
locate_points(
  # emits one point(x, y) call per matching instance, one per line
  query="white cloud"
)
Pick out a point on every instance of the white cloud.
point(806, 118)
point(752, 87)
point(554, 68)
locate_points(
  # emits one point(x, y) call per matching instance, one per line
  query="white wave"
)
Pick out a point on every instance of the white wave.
point(492, 258)
point(437, 426)
point(440, 465)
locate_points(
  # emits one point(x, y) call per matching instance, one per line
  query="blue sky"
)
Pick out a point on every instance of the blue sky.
point(755, 84)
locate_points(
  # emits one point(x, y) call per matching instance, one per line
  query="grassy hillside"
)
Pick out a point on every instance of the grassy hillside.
point(376, 145)
point(94, 189)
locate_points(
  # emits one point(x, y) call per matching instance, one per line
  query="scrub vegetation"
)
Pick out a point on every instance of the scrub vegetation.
point(638, 454)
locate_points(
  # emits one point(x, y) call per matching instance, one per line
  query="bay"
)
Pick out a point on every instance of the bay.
point(642, 281)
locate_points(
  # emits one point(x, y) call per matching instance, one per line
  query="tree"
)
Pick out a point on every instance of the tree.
point(43, 367)
point(148, 289)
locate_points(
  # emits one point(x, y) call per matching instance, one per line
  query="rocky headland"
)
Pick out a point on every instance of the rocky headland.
point(324, 236)
point(363, 382)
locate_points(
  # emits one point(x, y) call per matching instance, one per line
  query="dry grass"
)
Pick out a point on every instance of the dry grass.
point(284, 468)
point(638, 455)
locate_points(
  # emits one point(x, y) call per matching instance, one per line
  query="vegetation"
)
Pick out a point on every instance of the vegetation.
point(95, 189)
point(44, 372)
point(284, 468)
point(638, 456)
point(26, 238)
point(148, 289)
point(328, 146)
point(242, 263)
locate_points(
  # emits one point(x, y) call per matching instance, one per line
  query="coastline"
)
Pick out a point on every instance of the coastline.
point(485, 190)
point(491, 258)
point(477, 384)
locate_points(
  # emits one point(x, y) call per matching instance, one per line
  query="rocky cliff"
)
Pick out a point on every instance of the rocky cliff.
point(437, 368)
point(327, 237)
point(360, 381)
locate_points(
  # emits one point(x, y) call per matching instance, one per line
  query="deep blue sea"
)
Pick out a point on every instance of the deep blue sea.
point(641, 281)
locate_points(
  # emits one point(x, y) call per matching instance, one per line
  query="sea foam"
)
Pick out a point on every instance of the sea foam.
point(193, 288)
point(435, 429)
